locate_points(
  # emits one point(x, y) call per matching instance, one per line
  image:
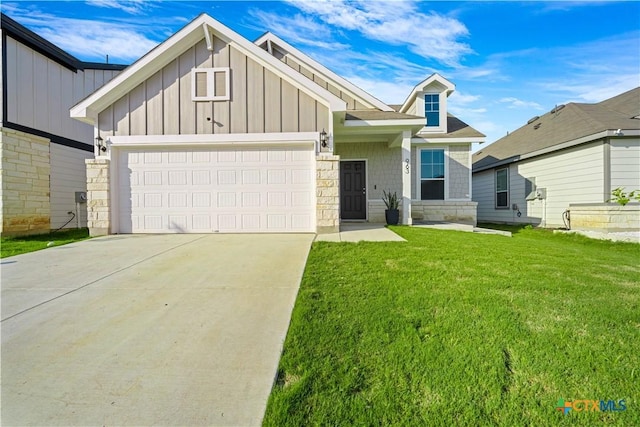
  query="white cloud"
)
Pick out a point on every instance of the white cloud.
point(297, 29)
point(518, 103)
point(389, 92)
point(430, 35)
point(134, 7)
point(89, 39)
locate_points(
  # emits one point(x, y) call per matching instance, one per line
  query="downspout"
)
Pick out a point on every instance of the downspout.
point(606, 154)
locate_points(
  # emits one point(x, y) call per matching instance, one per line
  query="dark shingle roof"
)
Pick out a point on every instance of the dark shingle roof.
point(563, 124)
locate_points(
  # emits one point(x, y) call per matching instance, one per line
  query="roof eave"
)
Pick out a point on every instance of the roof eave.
point(302, 57)
point(166, 51)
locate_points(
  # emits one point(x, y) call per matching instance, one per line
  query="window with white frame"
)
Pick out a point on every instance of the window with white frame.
point(502, 188)
point(432, 175)
point(432, 109)
point(210, 84)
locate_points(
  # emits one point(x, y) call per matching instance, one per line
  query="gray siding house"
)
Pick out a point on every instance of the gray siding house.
point(559, 169)
point(210, 132)
point(42, 149)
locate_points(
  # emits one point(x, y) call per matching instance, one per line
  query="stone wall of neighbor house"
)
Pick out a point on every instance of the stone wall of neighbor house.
point(327, 194)
point(444, 211)
point(25, 183)
point(98, 197)
point(605, 217)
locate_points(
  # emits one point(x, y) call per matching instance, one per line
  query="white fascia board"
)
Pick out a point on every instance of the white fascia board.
point(168, 50)
point(285, 138)
point(140, 70)
point(420, 86)
point(282, 70)
point(325, 73)
point(384, 123)
point(557, 147)
point(423, 140)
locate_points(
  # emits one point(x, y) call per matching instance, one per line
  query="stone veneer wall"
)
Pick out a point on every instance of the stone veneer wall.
point(444, 211)
point(605, 217)
point(25, 177)
point(327, 194)
point(98, 197)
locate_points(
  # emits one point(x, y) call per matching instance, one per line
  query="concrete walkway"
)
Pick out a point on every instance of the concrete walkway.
point(461, 227)
point(361, 232)
point(147, 330)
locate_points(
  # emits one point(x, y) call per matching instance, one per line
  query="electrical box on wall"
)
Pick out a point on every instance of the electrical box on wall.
point(81, 197)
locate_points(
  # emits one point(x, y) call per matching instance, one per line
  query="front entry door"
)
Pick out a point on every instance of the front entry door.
point(353, 190)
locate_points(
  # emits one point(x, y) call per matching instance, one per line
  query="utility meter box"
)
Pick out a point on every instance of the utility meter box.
point(81, 197)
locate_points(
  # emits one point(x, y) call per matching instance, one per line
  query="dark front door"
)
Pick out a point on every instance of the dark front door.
point(353, 190)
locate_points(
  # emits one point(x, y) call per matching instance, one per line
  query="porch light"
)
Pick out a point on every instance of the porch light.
point(100, 144)
point(323, 139)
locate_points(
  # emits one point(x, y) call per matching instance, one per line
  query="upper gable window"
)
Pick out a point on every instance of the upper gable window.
point(210, 84)
point(432, 109)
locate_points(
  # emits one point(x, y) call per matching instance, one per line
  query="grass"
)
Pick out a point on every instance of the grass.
point(10, 246)
point(456, 328)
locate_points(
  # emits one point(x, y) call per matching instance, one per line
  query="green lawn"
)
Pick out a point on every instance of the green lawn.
point(10, 246)
point(455, 328)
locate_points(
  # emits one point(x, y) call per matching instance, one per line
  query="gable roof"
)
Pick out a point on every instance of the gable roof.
point(324, 72)
point(564, 125)
point(88, 109)
point(28, 38)
point(433, 78)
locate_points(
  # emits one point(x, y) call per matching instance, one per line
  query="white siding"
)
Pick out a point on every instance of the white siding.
point(68, 175)
point(40, 92)
point(625, 164)
point(574, 175)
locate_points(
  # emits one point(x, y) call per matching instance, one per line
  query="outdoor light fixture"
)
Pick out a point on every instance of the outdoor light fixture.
point(323, 139)
point(101, 144)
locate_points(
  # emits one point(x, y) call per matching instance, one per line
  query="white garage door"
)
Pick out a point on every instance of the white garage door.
point(216, 190)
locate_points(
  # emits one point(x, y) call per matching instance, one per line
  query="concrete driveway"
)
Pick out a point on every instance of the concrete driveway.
point(147, 329)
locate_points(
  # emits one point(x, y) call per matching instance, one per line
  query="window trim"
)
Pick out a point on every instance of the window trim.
point(424, 99)
point(211, 84)
point(419, 178)
point(495, 189)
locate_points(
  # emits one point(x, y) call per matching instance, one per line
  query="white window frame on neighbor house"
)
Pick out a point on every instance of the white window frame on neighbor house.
point(212, 88)
point(419, 178)
point(506, 191)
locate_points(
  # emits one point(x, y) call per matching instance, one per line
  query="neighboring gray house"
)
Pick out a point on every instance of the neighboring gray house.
point(42, 149)
point(210, 132)
point(569, 159)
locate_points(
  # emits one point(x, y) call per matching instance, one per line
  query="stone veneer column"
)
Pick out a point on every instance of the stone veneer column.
point(25, 193)
point(98, 197)
point(327, 194)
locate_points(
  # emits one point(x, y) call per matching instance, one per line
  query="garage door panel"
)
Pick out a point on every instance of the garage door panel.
point(224, 190)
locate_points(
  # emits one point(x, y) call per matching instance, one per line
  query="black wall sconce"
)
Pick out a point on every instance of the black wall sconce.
point(101, 144)
point(323, 139)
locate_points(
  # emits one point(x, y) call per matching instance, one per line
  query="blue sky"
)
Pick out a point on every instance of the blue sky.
point(510, 61)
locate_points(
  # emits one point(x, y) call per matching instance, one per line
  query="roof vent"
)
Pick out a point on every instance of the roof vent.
point(557, 108)
point(537, 125)
point(533, 120)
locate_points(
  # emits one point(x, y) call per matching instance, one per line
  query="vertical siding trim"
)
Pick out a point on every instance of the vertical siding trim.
point(606, 169)
point(4, 78)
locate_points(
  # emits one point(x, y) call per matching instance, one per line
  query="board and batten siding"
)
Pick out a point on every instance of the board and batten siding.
point(261, 102)
point(40, 92)
point(625, 164)
point(352, 103)
point(574, 175)
point(68, 175)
